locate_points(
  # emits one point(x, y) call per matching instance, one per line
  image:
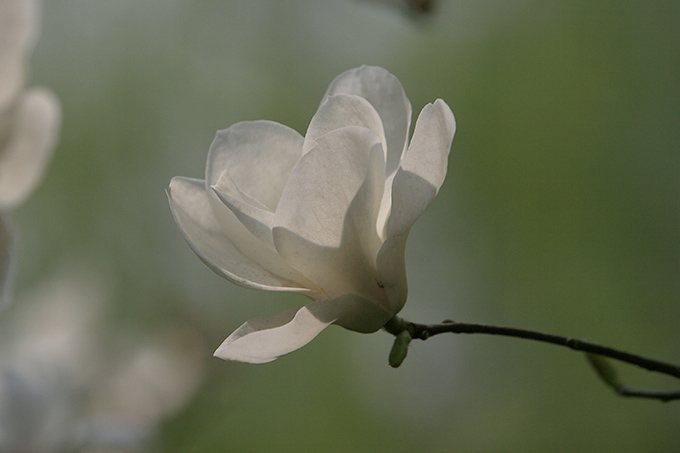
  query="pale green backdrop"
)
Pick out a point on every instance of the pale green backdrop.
point(560, 211)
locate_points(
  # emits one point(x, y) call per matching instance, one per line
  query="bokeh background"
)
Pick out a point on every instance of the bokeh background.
point(560, 213)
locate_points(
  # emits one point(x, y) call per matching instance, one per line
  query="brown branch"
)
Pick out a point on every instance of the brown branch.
point(399, 327)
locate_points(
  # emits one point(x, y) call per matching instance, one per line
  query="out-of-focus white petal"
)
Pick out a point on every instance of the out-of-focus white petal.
point(340, 111)
point(28, 147)
point(258, 155)
point(193, 214)
point(56, 322)
point(262, 340)
point(7, 265)
point(415, 185)
point(324, 225)
point(156, 380)
point(18, 30)
point(386, 95)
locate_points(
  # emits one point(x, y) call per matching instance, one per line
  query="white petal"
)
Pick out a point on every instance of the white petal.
point(340, 111)
point(262, 340)
point(386, 95)
point(18, 29)
point(423, 167)
point(324, 183)
point(7, 265)
point(392, 271)
point(359, 314)
point(31, 137)
point(257, 220)
point(415, 185)
point(324, 225)
point(258, 155)
point(252, 247)
point(194, 216)
point(225, 184)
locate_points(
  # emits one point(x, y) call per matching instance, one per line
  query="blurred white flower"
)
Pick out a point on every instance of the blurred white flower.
point(62, 387)
point(29, 123)
point(29, 118)
point(325, 215)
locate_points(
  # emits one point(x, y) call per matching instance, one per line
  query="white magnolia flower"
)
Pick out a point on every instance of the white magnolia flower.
point(29, 123)
point(325, 215)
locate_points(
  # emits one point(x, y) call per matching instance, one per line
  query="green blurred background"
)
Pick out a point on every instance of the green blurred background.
point(559, 213)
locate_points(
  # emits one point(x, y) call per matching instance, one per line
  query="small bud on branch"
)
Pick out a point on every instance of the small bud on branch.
point(595, 353)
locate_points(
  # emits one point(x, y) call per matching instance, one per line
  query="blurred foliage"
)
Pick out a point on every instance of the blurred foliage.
point(560, 211)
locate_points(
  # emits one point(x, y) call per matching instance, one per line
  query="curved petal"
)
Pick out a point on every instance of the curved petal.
point(324, 183)
point(262, 340)
point(193, 214)
point(7, 265)
point(18, 30)
point(391, 266)
point(340, 111)
point(386, 95)
point(423, 167)
point(258, 155)
point(324, 225)
point(415, 185)
point(257, 220)
point(226, 185)
point(360, 314)
point(252, 247)
point(31, 138)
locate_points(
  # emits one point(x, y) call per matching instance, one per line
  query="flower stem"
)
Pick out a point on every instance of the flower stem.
point(424, 331)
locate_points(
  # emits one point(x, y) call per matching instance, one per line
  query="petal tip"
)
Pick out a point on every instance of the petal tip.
point(224, 352)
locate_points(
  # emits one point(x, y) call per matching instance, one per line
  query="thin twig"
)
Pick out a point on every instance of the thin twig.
point(425, 331)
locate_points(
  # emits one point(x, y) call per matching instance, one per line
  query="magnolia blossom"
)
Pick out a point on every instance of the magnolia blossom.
point(325, 215)
point(29, 122)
